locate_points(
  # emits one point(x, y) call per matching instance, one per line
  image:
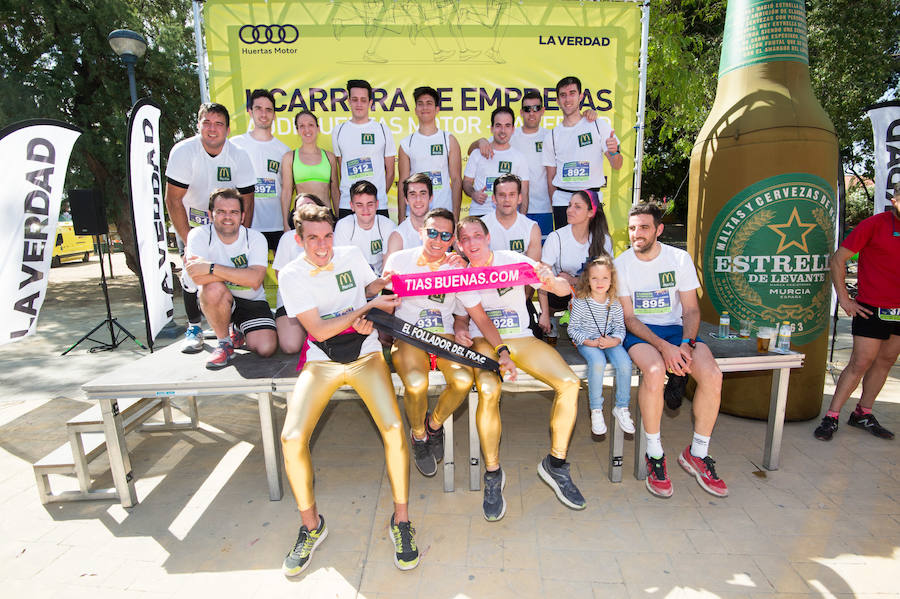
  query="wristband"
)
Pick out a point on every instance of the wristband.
point(501, 347)
point(691, 342)
point(611, 154)
point(211, 267)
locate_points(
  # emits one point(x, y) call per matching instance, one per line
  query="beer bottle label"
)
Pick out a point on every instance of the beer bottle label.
point(761, 31)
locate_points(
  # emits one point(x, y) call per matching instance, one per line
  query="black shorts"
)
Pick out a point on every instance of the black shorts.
point(874, 327)
point(272, 238)
point(251, 315)
point(279, 312)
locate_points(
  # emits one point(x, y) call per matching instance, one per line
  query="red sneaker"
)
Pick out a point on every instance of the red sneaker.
point(657, 480)
point(705, 471)
point(237, 337)
point(221, 356)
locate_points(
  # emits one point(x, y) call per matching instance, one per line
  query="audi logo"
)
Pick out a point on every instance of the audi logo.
point(268, 34)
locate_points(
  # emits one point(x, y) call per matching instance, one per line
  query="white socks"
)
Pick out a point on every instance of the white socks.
point(654, 445)
point(700, 446)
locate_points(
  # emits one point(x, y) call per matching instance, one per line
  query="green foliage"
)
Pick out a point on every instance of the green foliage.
point(58, 64)
point(859, 206)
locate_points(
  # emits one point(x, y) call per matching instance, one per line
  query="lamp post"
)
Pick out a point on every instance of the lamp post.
point(129, 46)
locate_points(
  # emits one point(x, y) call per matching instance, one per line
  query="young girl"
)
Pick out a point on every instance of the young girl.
point(597, 328)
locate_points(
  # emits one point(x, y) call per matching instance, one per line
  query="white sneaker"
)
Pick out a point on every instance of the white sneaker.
point(598, 425)
point(623, 417)
point(193, 340)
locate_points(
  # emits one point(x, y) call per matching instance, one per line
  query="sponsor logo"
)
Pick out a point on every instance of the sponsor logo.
point(766, 256)
point(503, 291)
point(505, 167)
point(585, 139)
point(268, 34)
point(538, 146)
point(572, 40)
point(438, 298)
point(273, 166)
point(375, 247)
point(240, 261)
point(345, 280)
point(667, 279)
point(517, 245)
point(223, 173)
point(367, 138)
point(437, 149)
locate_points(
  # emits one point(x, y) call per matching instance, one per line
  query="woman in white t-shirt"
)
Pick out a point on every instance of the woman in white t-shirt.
point(567, 249)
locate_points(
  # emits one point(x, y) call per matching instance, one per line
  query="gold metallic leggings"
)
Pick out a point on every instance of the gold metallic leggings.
point(318, 381)
point(543, 363)
point(412, 364)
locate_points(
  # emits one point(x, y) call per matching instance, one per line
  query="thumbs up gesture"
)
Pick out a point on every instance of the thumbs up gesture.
point(612, 145)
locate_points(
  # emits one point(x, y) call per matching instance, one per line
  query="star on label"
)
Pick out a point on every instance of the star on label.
point(794, 229)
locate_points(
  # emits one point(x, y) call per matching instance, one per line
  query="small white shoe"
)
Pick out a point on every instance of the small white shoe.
point(623, 417)
point(598, 425)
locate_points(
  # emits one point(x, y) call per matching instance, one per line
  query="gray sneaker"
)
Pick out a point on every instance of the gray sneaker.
point(435, 440)
point(298, 558)
point(422, 456)
point(193, 340)
point(494, 504)
point(560, 481)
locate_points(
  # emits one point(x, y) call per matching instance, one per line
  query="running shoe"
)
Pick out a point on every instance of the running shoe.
point(674, 391)
point(221, 356)
point(298, 558)
point(422, 455)
point(704, 470)
point(598, 425)
point(193, 340)
point(237, 337)
point(867, 422)
point(623, 417)
point(560, 480)
point(403, 535)
point(494, 504)
point(827, 428)
point(435, 440)
point(657, 480)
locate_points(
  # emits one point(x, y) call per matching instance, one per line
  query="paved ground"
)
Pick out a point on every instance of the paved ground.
point(826, 524)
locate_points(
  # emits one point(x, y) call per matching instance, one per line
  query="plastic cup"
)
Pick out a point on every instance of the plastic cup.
point(744, 331)
point(763, 338)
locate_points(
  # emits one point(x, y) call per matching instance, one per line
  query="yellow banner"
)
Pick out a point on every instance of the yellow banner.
point(478, 54)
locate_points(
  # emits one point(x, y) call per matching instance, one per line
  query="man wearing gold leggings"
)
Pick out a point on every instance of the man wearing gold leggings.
point(506, 309)
point(434, 313)
point(326, 290)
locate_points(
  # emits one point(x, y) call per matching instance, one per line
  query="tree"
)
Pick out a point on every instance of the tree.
point(57, 63)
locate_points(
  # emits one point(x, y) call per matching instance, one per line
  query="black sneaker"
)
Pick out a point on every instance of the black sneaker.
point(867, 422)
point(494, 504)
point(826, 430)
point(298, 558)
point(674, 391)
point(560, 480)
point(435, 440)
point(422, 456)
point(403, 536)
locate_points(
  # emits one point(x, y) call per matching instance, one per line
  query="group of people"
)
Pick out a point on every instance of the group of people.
point(325, 217)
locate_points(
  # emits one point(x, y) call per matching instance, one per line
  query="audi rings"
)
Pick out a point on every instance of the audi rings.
point(268, 34)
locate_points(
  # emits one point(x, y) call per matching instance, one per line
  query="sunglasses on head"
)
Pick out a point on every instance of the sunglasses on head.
point(535, 108)
point(444, 235)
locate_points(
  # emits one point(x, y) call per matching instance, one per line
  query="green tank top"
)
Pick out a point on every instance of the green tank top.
point(315, 172)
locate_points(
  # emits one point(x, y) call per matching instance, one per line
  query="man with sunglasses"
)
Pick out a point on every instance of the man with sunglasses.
point(434, 313)
point(480, 172)
point(876, 317)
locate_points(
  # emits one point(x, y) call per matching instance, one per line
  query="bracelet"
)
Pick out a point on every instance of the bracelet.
point(211, 267)
point(691, 342)
point(616, 153)
point(502, 347)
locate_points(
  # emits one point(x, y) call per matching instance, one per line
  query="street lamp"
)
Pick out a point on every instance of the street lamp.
point(129, 46)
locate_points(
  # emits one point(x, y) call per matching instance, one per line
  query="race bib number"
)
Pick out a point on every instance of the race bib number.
point(265, 188)
point(197, 217)
point(652, 302)
point(431, 320)
point(359, 168)
point(437, 181)
point(889, 314)
point(579, 170)
point(506, 321)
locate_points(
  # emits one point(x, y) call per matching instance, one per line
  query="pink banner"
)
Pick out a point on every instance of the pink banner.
point(464, 279)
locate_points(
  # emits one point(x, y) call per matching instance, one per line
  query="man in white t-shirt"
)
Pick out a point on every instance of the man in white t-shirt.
point(433, 152)
point(265, 152)
point(365, 228)
point(529, 140)
point(657, 286)
point(480, 172)
point(509, 228)
point(364, 149)
point(574, 151)
point(417, 190)
point(197, 166)
point(227, 262)
point(509, 315)
point(326, 290)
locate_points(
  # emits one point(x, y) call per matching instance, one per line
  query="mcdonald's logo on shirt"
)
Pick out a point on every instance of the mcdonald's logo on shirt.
point(345, 280)
point(223, 173)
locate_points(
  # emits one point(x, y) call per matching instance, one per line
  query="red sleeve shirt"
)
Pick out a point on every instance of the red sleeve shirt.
point(879, 259)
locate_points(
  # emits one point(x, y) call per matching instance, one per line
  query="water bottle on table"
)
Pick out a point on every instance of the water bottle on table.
point(724, 325)
point(784, 336)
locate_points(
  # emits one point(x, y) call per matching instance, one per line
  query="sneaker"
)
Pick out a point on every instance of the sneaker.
point(494, 504)
point(657, 480)
point(298, 558)
point(193, 340)
point(435, 440)
point(598, 425)
point(623, 417)
point(704, 469)
point(236, 336)
point(406, 554)
point(827, 428)
point(674, 391)
point(560, 480)
point(422, 456)
point(867, 422)
point(221, 356)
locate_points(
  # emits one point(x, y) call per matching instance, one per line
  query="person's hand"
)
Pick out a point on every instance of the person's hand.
point(612, 146)
point(572, 281)
point(606, 342)
point(196, 266)
point(363, 326)
point(454, 260)
point(677, 359)
point(385, 302)
point(544, 273)
point(462, 337)
point(852, 308)
point(591, 342)
point(480, 197)
point(486, 149)
point(544, 322)
point(507, 367)
point(590, 114)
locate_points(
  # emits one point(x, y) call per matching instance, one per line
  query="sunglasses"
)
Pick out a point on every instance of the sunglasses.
point(444, 235)
point(535, 108)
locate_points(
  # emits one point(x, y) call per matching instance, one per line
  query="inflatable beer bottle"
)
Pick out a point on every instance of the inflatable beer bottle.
point(762, 199)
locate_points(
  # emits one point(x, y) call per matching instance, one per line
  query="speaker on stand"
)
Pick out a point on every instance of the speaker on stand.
point(89, 218)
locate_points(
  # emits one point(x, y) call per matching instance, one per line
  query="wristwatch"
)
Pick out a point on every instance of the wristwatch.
point(691, 342)
point(211, 267)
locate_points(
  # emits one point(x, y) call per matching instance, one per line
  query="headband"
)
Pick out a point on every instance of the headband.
point(594, 198)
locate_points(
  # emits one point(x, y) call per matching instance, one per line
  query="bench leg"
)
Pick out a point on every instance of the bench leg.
point(640, 442)
point(167, 410)
point(271, 446)
point(474, 444)
point(616, 451)
point(449, 466)
point(192, 411)
point(119, 461)
point(43, 487)
point(775, 423)
point(79, 460)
